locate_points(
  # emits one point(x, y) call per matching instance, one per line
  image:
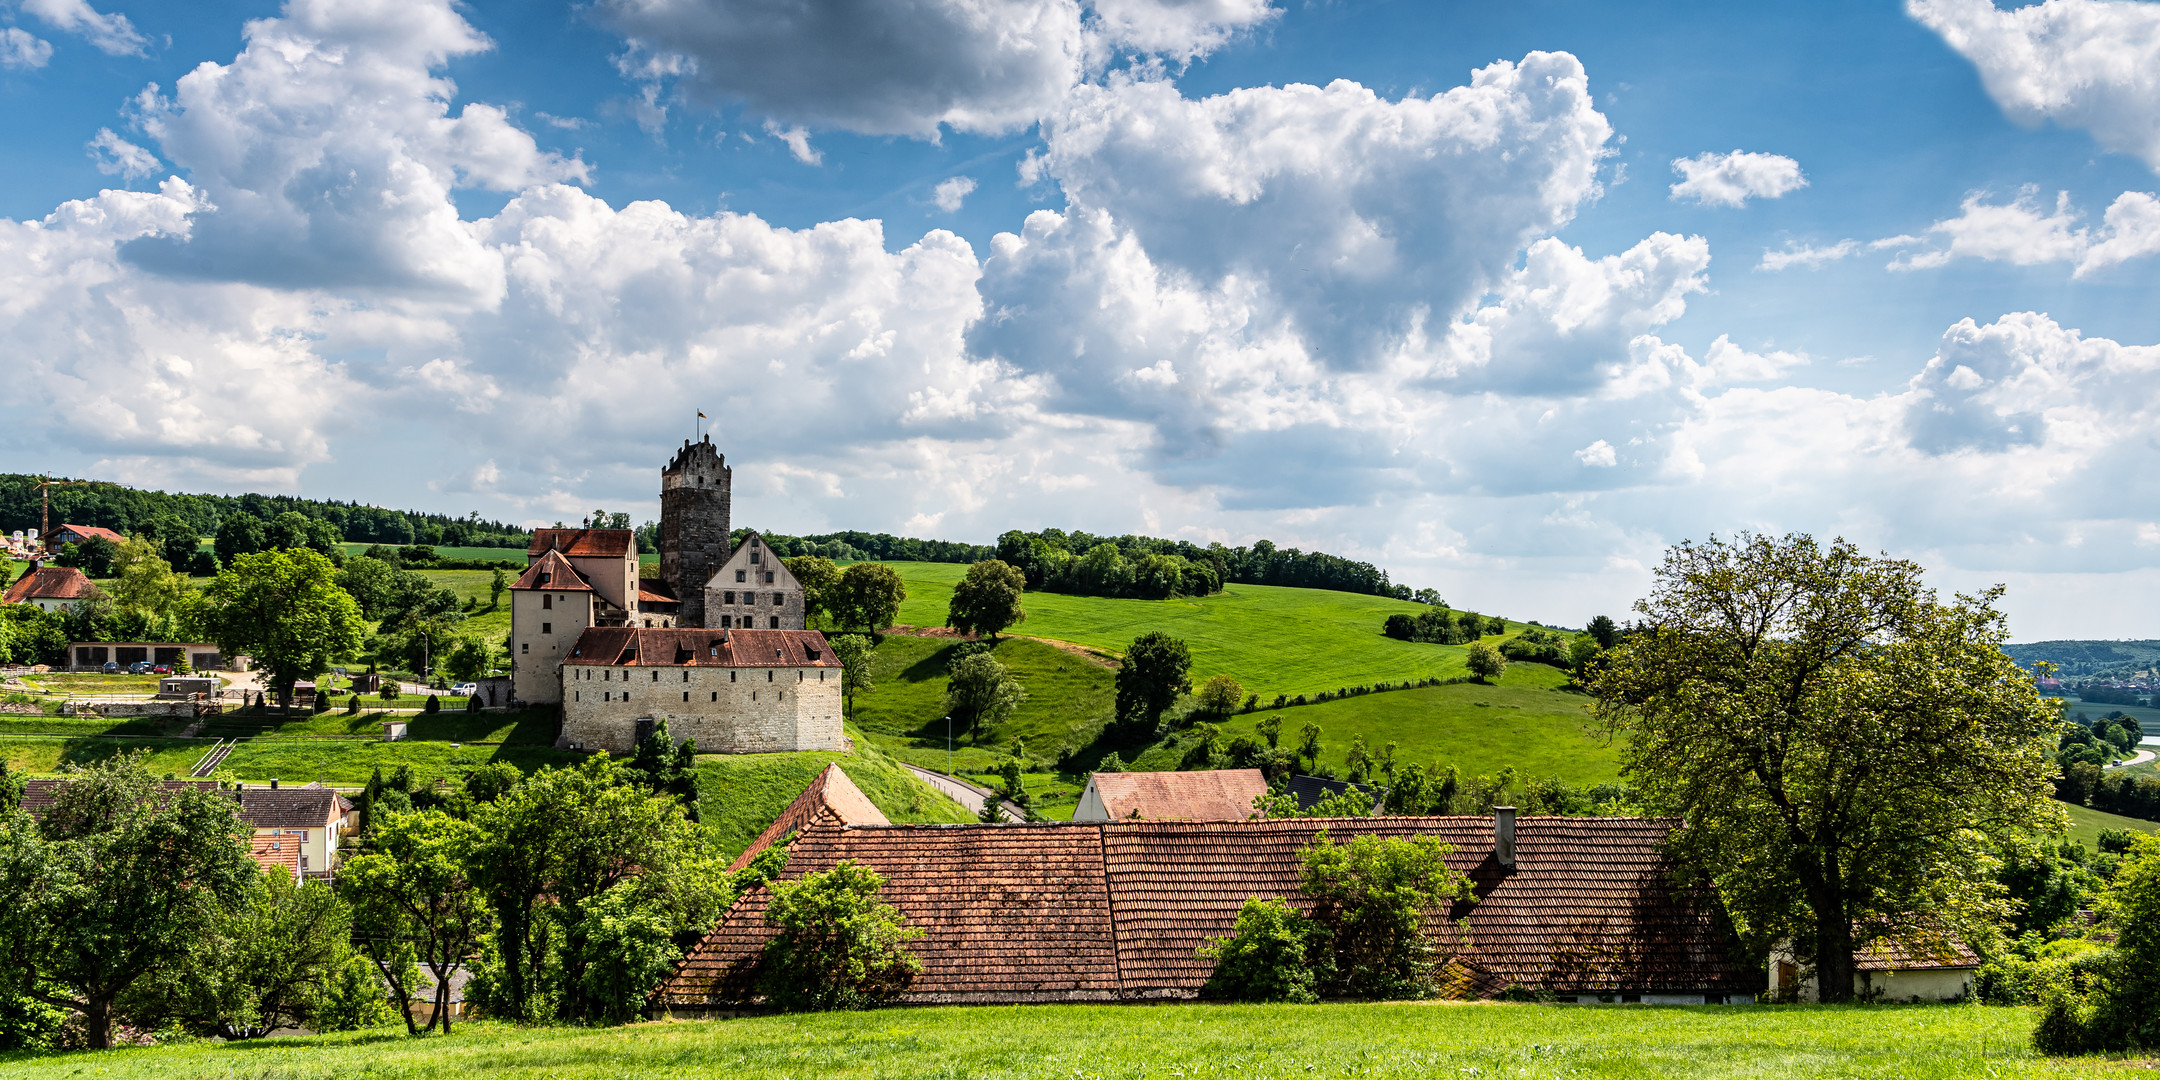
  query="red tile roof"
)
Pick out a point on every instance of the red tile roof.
point(595, 543)
point(1116, 910)
point(1915, 956)
point(832, 797)
point(552, 573)
point(1209, 795)
point(86, 532)
point(274, 849)
point(51, 583)
point(637, 646)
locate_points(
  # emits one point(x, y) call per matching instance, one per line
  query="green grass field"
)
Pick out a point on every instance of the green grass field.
point(493, 554)
point(1217, 1042)
point(2085, 825)
point(1069, 698)
point(44, 755)
point(1273, 640)
point(740, 794)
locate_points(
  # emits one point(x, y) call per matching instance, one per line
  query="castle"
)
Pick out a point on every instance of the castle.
point(717, 645)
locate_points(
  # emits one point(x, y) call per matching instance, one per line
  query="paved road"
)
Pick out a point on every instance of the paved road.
point(960, 791)
point(2140, 758)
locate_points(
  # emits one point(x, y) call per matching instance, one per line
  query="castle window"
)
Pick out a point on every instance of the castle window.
point(576, 695)
point(656, 676)
point(731, 676)
point(753, 556)
point(686, 677)
point(716, 695)
point(742, 575)
point(686, 695)
point(547, 601)
point(768, 676)
point(776, 622)
point(753, 695)
point(547, 628)
point(727, 597)
point(727, 622)
point(525, 646)
point(768, 581)
point(606, 675)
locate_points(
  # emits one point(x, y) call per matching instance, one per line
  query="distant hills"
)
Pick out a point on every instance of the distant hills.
point(2084, 659)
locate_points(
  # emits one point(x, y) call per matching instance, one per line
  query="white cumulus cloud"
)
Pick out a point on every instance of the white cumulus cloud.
point(111, 34)
point(1732, 179)
point(20, 48)
point(951, 192)
point(116, 156)
point(2090, 64)
point(2023, 232)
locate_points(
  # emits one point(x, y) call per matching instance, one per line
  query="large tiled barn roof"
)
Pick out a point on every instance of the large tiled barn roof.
point(1116, 910)
point(638, 646)
point(1204, 795)
point(831, 798)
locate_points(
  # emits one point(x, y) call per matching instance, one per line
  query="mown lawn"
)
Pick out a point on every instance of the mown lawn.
point(1069, 698)
point(44, 755)
point(1075, 1042)
point(350, 762)
point(1274, 640)
point(2086, 823)
point(740, 794)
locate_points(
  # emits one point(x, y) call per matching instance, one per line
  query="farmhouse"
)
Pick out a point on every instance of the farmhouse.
point(1207, 795)
point(1579, 907)
point(296, 828)
point(734, 691)
point(54, 588)
point(77, 534)
point(1888, 970)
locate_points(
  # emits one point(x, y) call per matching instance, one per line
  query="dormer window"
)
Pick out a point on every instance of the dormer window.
point(546, 576)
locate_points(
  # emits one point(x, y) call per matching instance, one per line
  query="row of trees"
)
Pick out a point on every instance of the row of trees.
point(1052, 559)
point(865, 597)
point(130, 511)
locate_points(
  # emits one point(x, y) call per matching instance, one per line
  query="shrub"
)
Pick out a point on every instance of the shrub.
point(1219, 696)
point(2108, 999)
point(434, 704)
point(840, 945)
point(1485, 661)
point(1263, 959)
point(1371, 898)
point(352, 705)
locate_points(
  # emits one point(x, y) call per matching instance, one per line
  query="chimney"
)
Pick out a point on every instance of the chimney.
point(1511, 830)
point(1503, 836)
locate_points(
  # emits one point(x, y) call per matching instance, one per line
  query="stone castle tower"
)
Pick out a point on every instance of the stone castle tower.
point(694, 503)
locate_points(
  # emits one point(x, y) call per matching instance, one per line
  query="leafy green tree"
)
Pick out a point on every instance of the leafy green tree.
point(1485, 661)
point(2111, 1002)
point(1151, 678)
point(497, 583)
point(284, 609)
point(1270, 728)
point(857, 654)
point(1308, 749)
point(1603, 631)
point(1848, 752)
point(237, 535)
point(840, 945)
point(820, 581)
point(467, 660)
point(267, 961)
point(987, 599)
point(668, 769)
point(1263, 959)
point(1219, 696)
point(1372, 898)
point(980, 693)
point(371, 582)
point(118, 882)
point(413, 903)
point(867, 597)
point(144, 582)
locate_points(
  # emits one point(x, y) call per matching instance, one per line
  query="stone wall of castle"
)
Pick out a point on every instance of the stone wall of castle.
point(727, 710)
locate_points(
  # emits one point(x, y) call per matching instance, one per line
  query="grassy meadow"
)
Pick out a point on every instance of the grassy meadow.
point(1274, 640)
point(1102, 1042)
point(740, 794)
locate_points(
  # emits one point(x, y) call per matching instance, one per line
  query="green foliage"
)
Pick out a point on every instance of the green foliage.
point(820, 581)
point(265, 963)
point(1263, 959)
point(351, 999)
point(1151, 678)
point(858, 657)
point(981, 693)
point(840, 945)
point(1847, 751)
point(413, 902)
point(664, 768)
point(118, 882)
point(284, 609)
point(1485, 661)
point(1219, 696)
point(1143, 566)
point(867, 597)
point(1372, 899)
point(2109, 998)
point(987, 600)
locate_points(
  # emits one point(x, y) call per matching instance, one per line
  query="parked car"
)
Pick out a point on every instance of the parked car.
point(139, 667)
point(465, 689)
point(161, 669)
point(111, 668)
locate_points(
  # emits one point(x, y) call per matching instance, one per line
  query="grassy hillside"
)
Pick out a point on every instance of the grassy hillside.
point(2085, 825)
point(1069, 698)
point(1272, 639)
point(740, 794)
point(1402, 1039)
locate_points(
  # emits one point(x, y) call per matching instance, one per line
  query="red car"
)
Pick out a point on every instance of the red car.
point(161, 670)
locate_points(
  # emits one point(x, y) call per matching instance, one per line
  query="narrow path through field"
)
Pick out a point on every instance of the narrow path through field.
point(960, 791)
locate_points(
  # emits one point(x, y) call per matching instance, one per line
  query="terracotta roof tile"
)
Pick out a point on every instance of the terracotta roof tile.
point(552, 573)
point(583, 543)
point(832, 796)
point(276, 850)
point(88, 531)
point(1210, 795)
point(51, 583)
point(1116, 910)
point(638, 646)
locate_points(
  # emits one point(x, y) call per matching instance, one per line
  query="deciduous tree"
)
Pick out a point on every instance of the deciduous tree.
point(414, 903)
point(1220, 696)
point(980, 693)
point(283, 609)
point(1485, 661)
point(857, 653)
point(987, 599)
point(840, 944)
point(1847, 750)
point(867, 597)
point(1151, 677)
point(820, 581)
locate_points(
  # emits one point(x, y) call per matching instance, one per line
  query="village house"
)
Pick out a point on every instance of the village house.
point(1204, 795)
point(295, 828)
point(1581, 908)
point(78, 534)
point(1886, 971)
point(53, 588)
point(734, 691)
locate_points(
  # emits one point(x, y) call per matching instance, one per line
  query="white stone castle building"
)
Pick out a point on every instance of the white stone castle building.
point(716, 645)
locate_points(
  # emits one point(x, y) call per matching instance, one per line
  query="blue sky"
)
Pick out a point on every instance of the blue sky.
point(1505, 298)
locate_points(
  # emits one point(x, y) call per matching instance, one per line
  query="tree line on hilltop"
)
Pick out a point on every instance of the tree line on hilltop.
point(128, 510)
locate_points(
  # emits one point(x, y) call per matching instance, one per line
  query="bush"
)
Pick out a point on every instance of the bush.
point(2108, 999)
point(840, 945)
point(1263, 959)
point(1485, 661)
point(434, 704)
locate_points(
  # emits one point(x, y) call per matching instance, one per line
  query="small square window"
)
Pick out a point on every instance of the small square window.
point(547, 628)
point(727, 597)
point(769, 580)
point(525, 647)
point(742, 575)
point(776, 622)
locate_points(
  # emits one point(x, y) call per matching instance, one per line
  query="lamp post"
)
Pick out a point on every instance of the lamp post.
point(948, 744)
